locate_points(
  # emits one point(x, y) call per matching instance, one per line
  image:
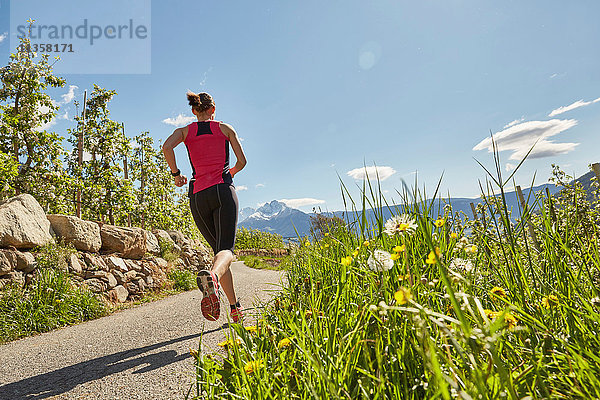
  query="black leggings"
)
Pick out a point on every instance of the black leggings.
point(215, 211)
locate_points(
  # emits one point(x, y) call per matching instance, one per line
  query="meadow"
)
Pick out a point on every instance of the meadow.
point(421, 306)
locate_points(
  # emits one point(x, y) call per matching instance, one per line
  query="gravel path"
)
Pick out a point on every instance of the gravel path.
point(139, 353)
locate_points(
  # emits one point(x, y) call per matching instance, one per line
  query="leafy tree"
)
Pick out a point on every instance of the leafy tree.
point(105, 192)
point(25, 111)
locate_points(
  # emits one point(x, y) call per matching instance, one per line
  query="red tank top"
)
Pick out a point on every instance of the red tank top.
point(208, 150)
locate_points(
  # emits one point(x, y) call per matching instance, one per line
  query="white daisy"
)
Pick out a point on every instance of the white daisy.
point(400, 224)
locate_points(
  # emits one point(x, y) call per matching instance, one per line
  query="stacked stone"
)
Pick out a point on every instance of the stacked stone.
point(119, 262)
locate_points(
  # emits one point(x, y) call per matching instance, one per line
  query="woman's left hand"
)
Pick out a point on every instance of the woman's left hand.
point(180, 180)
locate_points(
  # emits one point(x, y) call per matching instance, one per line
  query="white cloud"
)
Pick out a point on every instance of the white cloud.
point(577, 104)
point(70, 95)
point(305, 201)
point(180, 120)
point(241, 187)
point(46, 125)
point(509, 167)
point(3, 37)
point(372, 173)
point(521, 137)
point(260, 185)
point(516, 121)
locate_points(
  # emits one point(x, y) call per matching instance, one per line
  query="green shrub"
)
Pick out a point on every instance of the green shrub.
point(254, 239)
point(167, 250)
point(182, 279)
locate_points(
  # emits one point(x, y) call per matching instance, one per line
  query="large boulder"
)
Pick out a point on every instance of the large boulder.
point(152, 246)
point(23, 223)
point(84, 235)
point(126, 242)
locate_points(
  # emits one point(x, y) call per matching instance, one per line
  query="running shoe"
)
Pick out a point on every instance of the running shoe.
point(236, 314)
point(209, 286)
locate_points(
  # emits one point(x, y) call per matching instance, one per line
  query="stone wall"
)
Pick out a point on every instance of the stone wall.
point(118, 262)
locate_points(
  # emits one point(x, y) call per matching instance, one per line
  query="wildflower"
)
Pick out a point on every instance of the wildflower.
point(346, 261)
point(403, 295)
point(355, 253)
point(253, 366)
point(380, 261)
point(383, 308)
point(490, 314)
point(194, 353)
point(461, 264)
point(453, 235)
point(550, 301)
point(326, 245)
point(439, 222)
point(326, 234)
point(399, 249)
point(366, 243)
point(510, 320)
point(498, 291)
point(395, 256)
point(251, 328)
point(400, 224)
point(285, 342)
point(373, 308)
point(433, 256)
point(230, 342)
point(307, 243)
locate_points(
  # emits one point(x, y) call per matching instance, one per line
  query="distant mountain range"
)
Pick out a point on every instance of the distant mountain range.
point(276, 217)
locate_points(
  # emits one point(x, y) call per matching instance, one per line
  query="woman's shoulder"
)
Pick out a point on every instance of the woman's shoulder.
point(226, 129)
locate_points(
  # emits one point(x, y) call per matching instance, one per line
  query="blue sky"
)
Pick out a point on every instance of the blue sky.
point(317, 90)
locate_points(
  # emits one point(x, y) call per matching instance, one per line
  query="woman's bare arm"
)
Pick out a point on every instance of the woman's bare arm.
point(173, 141)
point(237, 148)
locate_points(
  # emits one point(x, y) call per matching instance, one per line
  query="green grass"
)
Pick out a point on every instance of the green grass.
point(51, 301)
point(488, 317)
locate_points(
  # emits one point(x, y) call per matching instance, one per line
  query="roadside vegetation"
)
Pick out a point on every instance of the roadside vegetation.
point(421, 306)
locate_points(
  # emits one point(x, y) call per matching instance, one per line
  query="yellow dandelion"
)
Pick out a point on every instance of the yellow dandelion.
point(490, 314)
point(230, 342)
point(395, 256)
point(510, 320)
point(285, 342)
point(326, 245)
point(403, 295)
point(453, 235)
point(433, 256)
point(439, 222)
point(366, 243)
point(253, 366)
point(550, 301)
point(346, 261)
point(399, 249)
point(355, 253)
point(326, 233)
point(251, 328)
point(498, 291)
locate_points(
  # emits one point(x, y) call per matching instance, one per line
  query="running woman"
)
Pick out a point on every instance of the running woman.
point(213, 200)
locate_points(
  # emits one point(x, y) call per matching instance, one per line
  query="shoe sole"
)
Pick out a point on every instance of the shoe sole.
point(210, 305)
